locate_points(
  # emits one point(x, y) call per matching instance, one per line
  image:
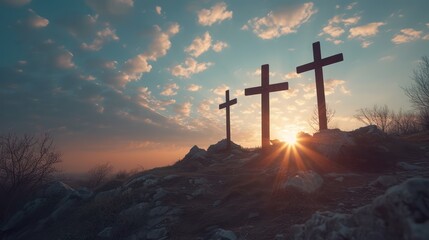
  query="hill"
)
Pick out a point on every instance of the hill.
point(332, 185)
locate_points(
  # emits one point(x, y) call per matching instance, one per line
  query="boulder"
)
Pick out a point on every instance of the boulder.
point(222, 234)
point(305, 182)
point(329, 142)
point(106, 233)
point(408, 167)
point(28, 212)
point(57, 189)
point(220, 147)
point(158, 233)
point(139, 181)
point(401, 213)
point(195, 154)
point(384, 181)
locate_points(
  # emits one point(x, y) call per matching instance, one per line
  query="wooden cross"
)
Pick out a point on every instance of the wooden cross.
point(265, 90)
point(227, 105)
point(317, 65)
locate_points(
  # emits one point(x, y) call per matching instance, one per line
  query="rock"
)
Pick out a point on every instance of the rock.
point(222, 234)
point(140, 180)
point(136, 211)
point(199, 192)
point(106, 233)
point(329, 142)
point(107, 194)
point(158, 211)
point(198, 181)
point(305, 182)
point(253, 215)
point(159, 233)
point(339, 179)
point(58, 189)
point(384, 181)
point(407, 166)
point(401, 213)
point(195, 154)
point(279, 237)
point(170, 177)
point(160, 193)
point(29, 211)
point(220, 147)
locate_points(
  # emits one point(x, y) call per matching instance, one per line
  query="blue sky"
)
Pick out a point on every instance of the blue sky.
point(139, 82)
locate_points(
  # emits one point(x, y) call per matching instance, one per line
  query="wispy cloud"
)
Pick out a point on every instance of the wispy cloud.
point(281, 22)
point(199, 45)
point(170, 89)
point(220, 90)
point(217, 13)
point(158, 10)
point(189, 68)
point(219, 46)
point(291, 75)
point(194, 88)
point(364, 32)
point(183, 109)
point(406, 35)
point(34, 20)
point(102, 36)
point(336, 27)
point(135, 67)
point(367, 30)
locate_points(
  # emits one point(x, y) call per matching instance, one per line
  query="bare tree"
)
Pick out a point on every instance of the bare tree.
point(25, 163)
point(99, 174)
point(418, 92)
point(314, 120)
point(379, 116)
point(405, 123)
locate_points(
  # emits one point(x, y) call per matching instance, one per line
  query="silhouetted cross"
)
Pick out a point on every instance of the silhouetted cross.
point(227, 105)
point(265, 90)
point(317, 65)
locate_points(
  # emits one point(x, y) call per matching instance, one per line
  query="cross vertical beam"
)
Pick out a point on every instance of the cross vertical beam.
point(317, 66)
point(227, 104)
point(265, 90)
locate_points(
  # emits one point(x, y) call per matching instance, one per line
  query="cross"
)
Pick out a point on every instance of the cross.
point(227, 104)
point(265, 90)
point(317, 65)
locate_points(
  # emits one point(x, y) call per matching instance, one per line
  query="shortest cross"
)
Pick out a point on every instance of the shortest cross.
point(227, 105)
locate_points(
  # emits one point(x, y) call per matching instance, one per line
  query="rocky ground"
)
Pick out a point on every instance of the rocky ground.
point(333, 185)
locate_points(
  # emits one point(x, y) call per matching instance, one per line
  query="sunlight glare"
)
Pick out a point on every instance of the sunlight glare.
point(290, 138)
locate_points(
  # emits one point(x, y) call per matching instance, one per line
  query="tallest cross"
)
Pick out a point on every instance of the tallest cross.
point(317, 65)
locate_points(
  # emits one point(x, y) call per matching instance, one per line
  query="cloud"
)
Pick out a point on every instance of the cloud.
point(189, 68)
point(220, 90)
point(183, 109)
point(16, 3)
point(292, 75)
point(386, 58)
point(35, 21)
point(158, 10)
point(199, 45)
point(135, 67)
point(170, 89)
point(110, 7)
point(102, 36)
point(336, 26)
point(425, 37)
point(281, 22)
point(144, 98)
point(332, 84)
point(219, 46)
point(194, 88)
point(217, 13)
point(406, 35)
point(367, 30)
point(365, 43)
point(351, 5)
point(64, 60)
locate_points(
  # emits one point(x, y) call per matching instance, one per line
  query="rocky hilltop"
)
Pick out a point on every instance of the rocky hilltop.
point(333, 185)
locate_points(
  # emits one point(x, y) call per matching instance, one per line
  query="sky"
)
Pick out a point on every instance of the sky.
point(138, 83)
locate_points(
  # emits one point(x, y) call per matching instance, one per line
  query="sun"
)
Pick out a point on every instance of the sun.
point(290, 138)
